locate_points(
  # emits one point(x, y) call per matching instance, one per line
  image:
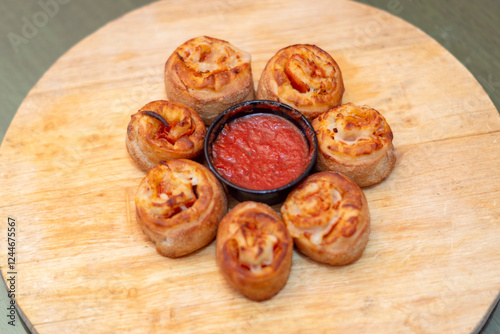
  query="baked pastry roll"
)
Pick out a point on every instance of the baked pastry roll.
point(304, 77)
point(356, 141)
point(254, 250)
point(328, 218)
point(163, 130)
point(209, 75)
point(179, 205)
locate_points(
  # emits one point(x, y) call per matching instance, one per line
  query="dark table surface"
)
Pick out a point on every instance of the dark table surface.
point(470, 30)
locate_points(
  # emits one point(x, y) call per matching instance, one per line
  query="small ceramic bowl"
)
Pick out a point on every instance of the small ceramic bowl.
point(271, 196)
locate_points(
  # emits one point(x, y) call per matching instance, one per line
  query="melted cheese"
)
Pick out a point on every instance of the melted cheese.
point(258, 253)
point(351, 137)
point(317, 232)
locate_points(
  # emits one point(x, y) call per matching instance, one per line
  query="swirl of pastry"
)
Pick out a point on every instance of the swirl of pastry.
point(163, 130)
point(303, 76)
point(254, 250)
point(179, 205)
point(328, 218)
point(209, 75)
point(356, 141)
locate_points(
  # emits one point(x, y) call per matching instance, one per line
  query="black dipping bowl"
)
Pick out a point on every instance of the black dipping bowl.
point(271, 196)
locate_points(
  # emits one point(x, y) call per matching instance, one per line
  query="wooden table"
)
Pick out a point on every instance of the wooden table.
point(430, 266)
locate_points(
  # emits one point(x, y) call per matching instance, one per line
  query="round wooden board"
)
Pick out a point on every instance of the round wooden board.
point(83, 265)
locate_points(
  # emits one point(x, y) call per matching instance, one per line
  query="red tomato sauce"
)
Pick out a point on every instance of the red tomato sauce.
point(260, 152)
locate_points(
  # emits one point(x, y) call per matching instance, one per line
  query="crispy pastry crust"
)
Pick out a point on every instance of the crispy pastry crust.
point(328, 218)
point(149, 141)
point(304, 77)
point(179, 205)
point(209, 75)
point(356, 141)
point(254, 250)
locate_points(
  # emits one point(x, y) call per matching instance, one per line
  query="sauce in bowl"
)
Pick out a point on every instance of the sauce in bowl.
point(260, 152)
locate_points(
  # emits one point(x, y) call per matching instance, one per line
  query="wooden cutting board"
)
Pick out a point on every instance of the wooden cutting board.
point(432, 264)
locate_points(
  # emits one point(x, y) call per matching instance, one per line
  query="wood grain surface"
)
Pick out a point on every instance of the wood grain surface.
point(432, 263)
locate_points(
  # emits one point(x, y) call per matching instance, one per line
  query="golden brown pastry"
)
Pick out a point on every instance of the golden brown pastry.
point(356, 141)
point(163, 130)
point(328, 218)
point(179, 205)
point(209, 75)
point(304, 77)
point(254, 250)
